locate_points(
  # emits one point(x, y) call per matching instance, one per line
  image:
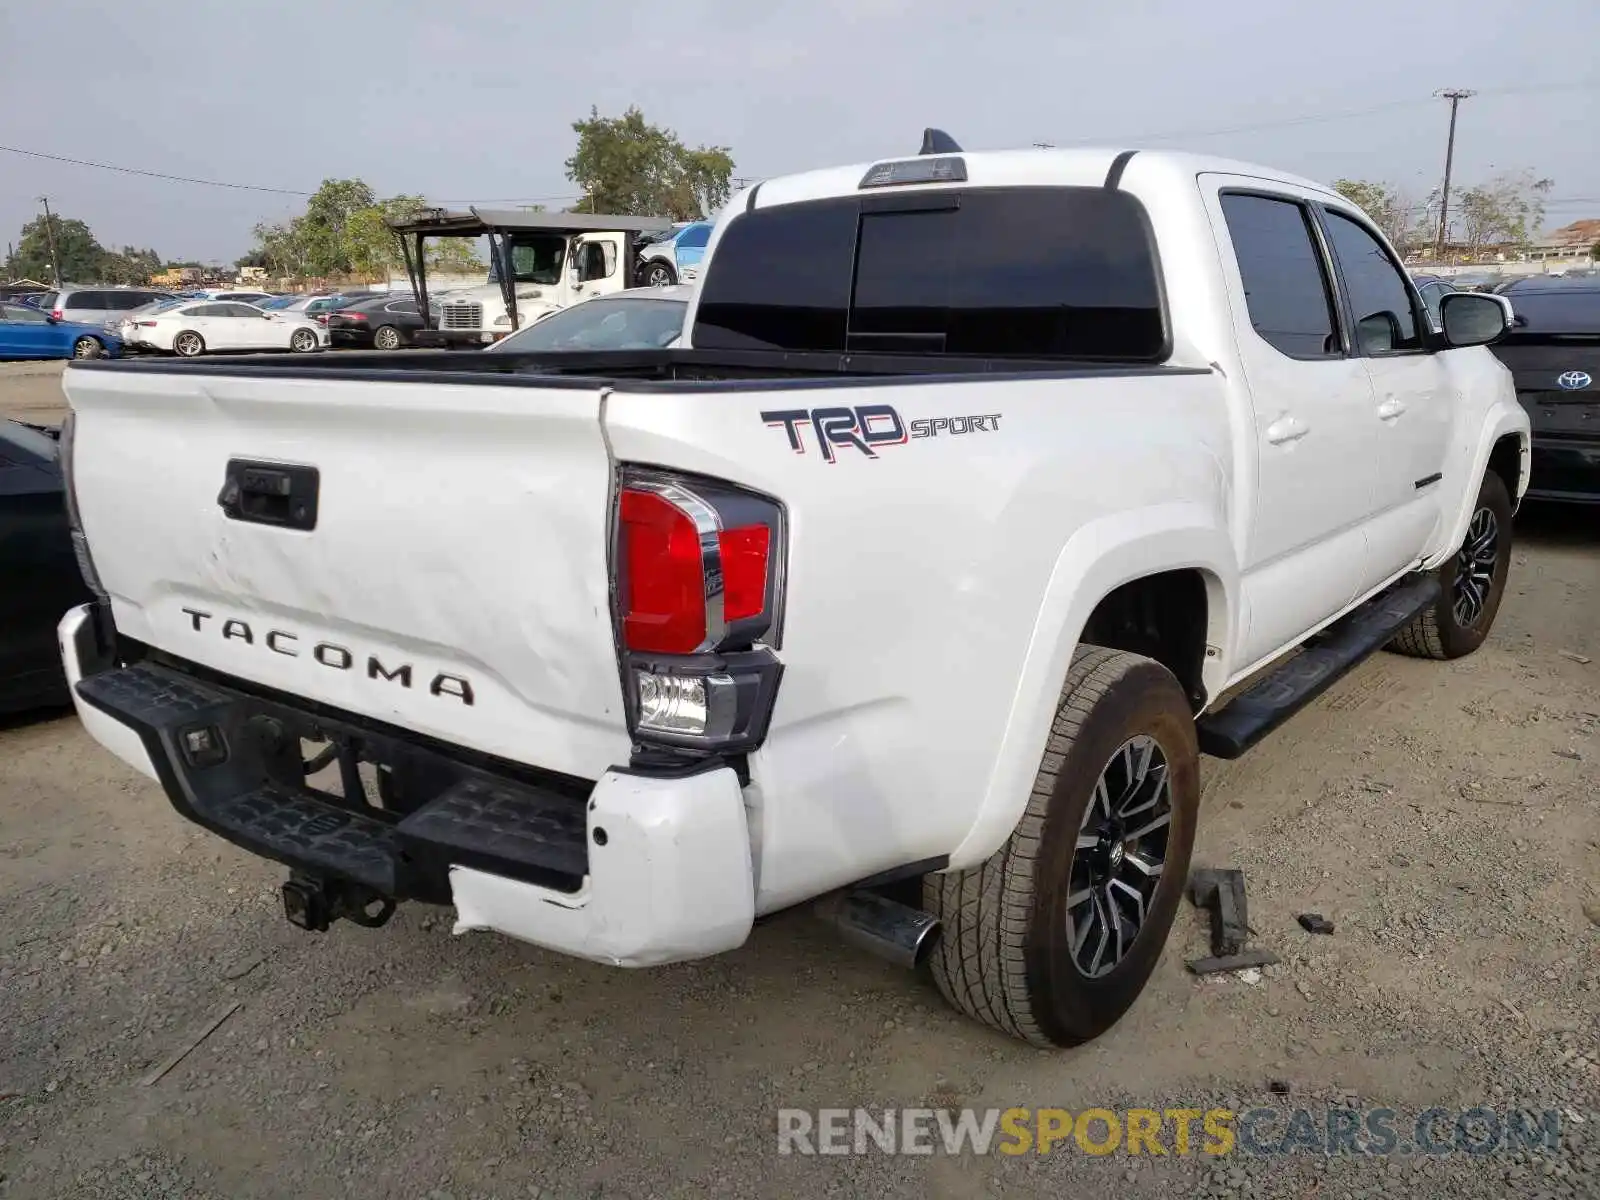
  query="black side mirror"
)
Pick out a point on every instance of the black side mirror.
point(1474, 318)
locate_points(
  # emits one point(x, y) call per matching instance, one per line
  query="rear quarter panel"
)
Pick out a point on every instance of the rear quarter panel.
point(936, 589)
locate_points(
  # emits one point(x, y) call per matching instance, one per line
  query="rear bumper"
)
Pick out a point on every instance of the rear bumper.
point(632, 870)
point(459, 339)
point(1565, 469)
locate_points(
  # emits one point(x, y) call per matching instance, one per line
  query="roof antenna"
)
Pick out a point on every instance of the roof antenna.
point(937, 141)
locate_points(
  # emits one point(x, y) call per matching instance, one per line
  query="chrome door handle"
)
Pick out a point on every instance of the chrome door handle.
point(1390, 409)
point(1287, 429)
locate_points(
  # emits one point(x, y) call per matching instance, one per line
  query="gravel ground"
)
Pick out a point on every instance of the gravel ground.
point(1444, 817)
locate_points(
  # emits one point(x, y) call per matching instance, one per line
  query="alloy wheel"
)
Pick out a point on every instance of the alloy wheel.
point(1121, 850)
point(86, 347)
point(1475, 564)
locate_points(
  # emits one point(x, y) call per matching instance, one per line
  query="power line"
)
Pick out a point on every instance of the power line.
point(83, 162)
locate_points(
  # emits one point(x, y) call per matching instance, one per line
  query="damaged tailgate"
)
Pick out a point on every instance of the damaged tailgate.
point(428, 554)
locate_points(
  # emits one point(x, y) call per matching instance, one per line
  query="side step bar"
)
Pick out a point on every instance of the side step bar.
point(1295, 683)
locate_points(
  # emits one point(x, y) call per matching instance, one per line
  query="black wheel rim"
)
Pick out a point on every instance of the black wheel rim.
point(1121, 850)
point(1475, 564)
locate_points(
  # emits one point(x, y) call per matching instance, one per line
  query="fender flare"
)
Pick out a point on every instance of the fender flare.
point(1099, 557)
point(1501, 421)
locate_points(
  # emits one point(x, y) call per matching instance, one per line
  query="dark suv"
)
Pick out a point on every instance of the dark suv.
point(1553, 351)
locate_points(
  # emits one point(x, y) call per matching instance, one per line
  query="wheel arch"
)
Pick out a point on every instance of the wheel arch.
point(1119, 563)
point(1503, 446)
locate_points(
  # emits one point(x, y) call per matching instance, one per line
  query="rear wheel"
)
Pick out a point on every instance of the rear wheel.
point(1471, 583)
point(302, 341)
point(87, 347)
point(189, 344)
point(386, 337)
point(1053, 938)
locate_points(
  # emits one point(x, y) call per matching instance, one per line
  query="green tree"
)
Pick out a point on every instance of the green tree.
point(1389, 210)
point(345, 231)
point(1506, 210)
point(79, 254)
point(629, 167)
point(130, 265)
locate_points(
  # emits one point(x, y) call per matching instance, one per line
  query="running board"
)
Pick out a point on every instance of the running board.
point(1272, 700)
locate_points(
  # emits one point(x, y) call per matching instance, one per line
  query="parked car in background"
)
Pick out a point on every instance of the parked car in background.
point(304, 306)
point(340, 300)
point(28, 333)
point(638, 319)
point(201, 327)
point(36, 546)
point(44, 301)
point(675, 257)
point(243, 297)
point(1553, 352)
point(382, 322)
point(102, 306)
point(1433, 291)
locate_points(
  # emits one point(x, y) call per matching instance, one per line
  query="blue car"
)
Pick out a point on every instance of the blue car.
point(26, 332)
point(676, 257)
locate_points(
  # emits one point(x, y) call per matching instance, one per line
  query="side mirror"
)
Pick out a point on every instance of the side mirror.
point(1474, 318)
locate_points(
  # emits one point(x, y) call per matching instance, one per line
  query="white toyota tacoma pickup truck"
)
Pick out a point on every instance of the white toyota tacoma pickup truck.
point(984, 486)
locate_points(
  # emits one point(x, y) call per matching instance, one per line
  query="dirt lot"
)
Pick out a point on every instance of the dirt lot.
point(1443, 816)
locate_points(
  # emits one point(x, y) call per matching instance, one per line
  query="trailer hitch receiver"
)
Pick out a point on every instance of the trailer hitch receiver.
point(313, 904)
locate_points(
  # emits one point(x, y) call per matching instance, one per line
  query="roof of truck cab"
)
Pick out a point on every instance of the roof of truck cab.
point(1023, 168)
point(476, 221)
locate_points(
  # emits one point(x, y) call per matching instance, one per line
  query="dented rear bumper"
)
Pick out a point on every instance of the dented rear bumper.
point(630, 869)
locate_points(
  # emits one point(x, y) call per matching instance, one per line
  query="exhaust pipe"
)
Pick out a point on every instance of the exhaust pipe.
point(897, 932)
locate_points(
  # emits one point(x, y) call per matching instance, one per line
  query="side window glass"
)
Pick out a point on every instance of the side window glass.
point(695, 238)
point(1385, 318)
point(1285, 282)
point(599, 260)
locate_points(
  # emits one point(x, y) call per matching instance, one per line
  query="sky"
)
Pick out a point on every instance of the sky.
point(474, 101)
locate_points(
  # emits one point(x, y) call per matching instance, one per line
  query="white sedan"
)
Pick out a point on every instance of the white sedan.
point(195, 327)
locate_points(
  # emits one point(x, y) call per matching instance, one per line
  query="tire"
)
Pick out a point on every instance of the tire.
point(87, 347)
point(302, 341)
point(188, 344)
point(387, 337)
point(1459, 621)
point(1006, 954)
point(657, 272)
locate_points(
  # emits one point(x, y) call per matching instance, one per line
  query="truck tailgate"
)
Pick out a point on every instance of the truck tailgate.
point(455, 581)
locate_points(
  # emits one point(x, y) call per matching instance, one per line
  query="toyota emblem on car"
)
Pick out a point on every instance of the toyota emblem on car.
point(1574, 381)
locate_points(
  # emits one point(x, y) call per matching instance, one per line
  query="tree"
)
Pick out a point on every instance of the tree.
point(1389, 210)
point(79, 254)
point(345, 231)
point(1504, 211)
point(626, 166)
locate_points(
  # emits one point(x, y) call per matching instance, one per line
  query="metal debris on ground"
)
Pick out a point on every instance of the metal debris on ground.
point(1222, 891)
point(1315, 923)
point(183, 1052)
point(1575, 656)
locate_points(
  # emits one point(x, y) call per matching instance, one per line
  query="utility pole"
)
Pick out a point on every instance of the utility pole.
point(1455, 96)
point(50, 233)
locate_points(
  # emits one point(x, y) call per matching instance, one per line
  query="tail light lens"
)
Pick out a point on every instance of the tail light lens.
point(56, 313)
point(699, 577)
point(352, 316)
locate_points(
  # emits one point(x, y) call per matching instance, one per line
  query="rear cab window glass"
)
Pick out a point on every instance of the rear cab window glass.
point(998, 272)
point(1282, 271)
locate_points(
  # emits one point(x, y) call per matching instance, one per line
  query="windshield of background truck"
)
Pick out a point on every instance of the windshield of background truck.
point(535, 258)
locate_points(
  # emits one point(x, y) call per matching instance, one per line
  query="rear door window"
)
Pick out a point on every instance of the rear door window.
point(1284, 278)
point(85, 300)
point(1003, 272)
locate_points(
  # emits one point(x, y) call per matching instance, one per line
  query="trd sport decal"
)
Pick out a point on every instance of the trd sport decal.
point(869, 428)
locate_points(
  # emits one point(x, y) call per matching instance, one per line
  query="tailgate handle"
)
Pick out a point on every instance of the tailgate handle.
point(278, 494)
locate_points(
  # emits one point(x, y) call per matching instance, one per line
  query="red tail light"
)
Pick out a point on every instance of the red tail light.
point(56, 313)
point(692, 579)
point(146, 324)
point(699, 587)
point(352, 316)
